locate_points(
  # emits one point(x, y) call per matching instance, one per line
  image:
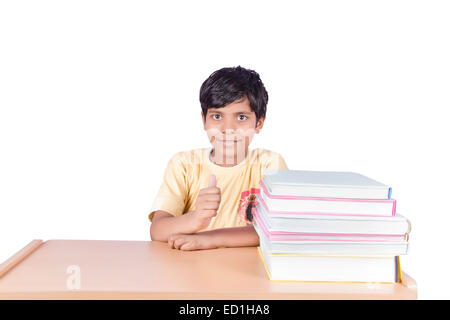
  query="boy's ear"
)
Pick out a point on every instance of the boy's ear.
point(259, 124)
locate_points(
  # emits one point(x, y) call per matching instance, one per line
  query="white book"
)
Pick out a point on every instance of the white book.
point(330, 206)
point(331, 246)
point(394, 225)
point(326, 184)
point(330, 268)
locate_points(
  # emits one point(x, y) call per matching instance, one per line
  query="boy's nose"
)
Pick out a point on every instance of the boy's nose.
point(228, 127)
point(228, 131)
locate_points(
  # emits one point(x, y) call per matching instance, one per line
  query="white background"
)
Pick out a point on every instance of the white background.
point(96, 96)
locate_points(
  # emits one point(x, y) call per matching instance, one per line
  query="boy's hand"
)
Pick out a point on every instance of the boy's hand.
point(206, 206)
point(196, 241)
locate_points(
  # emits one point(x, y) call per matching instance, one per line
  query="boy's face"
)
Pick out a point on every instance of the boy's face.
point(231, 128)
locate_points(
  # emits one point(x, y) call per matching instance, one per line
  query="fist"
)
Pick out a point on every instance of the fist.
point(206, 206)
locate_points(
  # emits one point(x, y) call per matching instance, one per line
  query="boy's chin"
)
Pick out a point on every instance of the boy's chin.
point(229, 146)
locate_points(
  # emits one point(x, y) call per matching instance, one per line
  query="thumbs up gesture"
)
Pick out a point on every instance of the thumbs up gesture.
point(206, 206)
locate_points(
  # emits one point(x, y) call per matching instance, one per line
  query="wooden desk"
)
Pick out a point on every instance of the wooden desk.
point(151, 270)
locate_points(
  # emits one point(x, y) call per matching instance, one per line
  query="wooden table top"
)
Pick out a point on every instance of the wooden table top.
point(103, 269)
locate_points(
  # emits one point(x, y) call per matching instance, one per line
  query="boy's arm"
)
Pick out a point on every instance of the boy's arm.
point(208, 200)
point(164, 224)
point(225, 237)
point(234, 237)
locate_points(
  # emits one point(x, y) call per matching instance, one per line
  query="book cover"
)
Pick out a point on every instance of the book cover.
point(327, 184)
point(328, 206)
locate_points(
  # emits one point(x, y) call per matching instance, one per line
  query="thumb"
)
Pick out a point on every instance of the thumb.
point(212, 181)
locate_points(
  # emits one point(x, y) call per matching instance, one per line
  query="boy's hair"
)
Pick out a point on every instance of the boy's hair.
point(227, 85)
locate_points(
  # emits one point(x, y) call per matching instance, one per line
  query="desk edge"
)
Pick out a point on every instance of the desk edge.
point(19, 256)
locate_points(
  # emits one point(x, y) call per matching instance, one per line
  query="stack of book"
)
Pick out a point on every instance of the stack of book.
point(328, 226)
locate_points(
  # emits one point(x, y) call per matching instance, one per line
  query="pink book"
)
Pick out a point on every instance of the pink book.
point(301, 243)
point(322, 237)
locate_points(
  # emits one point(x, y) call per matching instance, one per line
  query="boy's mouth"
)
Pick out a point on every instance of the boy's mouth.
point(229, 141)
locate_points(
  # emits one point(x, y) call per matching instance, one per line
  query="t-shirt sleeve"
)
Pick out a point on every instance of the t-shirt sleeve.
point(276, 162)
point(172, 194)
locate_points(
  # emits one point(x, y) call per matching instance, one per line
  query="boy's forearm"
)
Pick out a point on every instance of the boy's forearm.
point(161, 229)
point(234, 237)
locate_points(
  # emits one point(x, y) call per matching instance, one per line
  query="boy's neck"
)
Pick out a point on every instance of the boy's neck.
point(223, 160)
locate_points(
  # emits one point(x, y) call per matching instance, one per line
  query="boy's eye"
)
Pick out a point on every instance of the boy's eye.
point(217, 116)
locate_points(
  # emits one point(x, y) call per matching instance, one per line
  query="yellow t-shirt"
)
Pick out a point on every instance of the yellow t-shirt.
point(188, 171)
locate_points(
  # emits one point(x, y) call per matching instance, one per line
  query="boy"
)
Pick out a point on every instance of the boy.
point(198, 202)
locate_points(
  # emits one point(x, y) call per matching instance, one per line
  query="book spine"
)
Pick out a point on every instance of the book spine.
point(336, 237)
point(272, 212)
point(271, 196)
